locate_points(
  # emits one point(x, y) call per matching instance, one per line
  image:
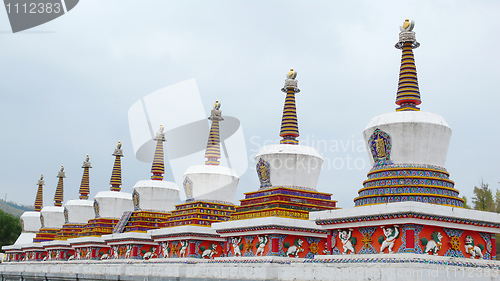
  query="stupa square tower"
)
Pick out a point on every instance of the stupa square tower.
point(273, 221)
point(210, 190)
point(408, 204)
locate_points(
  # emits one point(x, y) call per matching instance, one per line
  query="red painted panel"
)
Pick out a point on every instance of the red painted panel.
point(275, 245)
point(410, 238)
point(192, 248)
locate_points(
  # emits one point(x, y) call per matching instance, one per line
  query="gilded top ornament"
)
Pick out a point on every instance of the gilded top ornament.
point(41, 181)
point(407, 25)
point(407, 35)
point(61, 173)
point(217, 105)
point(216, 113)
point(291, 74)
point(86, 163)
point(118, 150)
point(160, 135)
point(290, 82)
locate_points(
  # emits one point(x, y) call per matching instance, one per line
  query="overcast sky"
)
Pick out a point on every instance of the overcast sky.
point(66, 86)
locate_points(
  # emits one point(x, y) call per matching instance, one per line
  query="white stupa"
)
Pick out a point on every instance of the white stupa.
point(113, 203)
point(211, 181)
point(52, 217)
point(289, 164)
point(410, 143)
point(156, 194)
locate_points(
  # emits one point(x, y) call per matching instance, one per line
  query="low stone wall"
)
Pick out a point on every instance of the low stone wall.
point(348, 267)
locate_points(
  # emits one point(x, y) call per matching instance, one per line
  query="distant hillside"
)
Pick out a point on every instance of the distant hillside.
point(13, 208)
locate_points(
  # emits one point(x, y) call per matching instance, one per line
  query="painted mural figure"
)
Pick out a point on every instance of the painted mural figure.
point(164, 249)
point(347, 240)
point(183, 250)
point(115, 252)
point(391, 233)
point(261, 245)
point(210, 252)
point(295, 249)
point(473, 250)
point(236, 246)
point(434, 244)
point(150, 254)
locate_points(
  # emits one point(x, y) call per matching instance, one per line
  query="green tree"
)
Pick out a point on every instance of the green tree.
point(10, 228)
point(483, 198)
point(466, 206)
point(497, 201)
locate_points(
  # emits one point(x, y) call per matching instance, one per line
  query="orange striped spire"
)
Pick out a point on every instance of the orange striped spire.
point(116, 175)
point(85, 185)
point(158, 168)
point(213, 145)
point(39, 195)
point(408, 96)
point(59, 196)
point(289, 123)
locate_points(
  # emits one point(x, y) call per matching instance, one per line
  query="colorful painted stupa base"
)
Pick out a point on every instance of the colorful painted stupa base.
point(70, 230)
point(34, 252)
point(201, 213)
point(59, 250)
point(411, 227)
point(188, 241)
point(46, 234)
point(408, 182)
point(131, 245)
point(272, 236)
point(142, 221)
point(99, 227)
point(90, 248)
point(285, 202)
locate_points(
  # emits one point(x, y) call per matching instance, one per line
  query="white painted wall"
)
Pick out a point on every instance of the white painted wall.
point(292, 165)
point(157, 195)
point(112, 204)
point(212, 182)
point(418, 137)
point(80, 211)
point(53, 217)
point(31, 221)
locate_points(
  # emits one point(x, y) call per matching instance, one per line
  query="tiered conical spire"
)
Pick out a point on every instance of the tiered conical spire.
point(39, 195)
point(84, 186)
point(59, 196)
point(213, 146)
point(289, 124)
point(158, 168)
point(116, 176)
point(408, 96)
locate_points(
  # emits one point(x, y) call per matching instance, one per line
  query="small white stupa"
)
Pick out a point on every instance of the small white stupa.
point(77, 212)
point(156, 194)
point(290, 164)
point(52, 217)
point(113, 203)
point(30, 221)
point(211, 181)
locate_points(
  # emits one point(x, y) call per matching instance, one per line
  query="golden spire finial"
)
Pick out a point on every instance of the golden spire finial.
point(291, 74)
point(119, 145)
point(217, 105)
point(407, 25)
